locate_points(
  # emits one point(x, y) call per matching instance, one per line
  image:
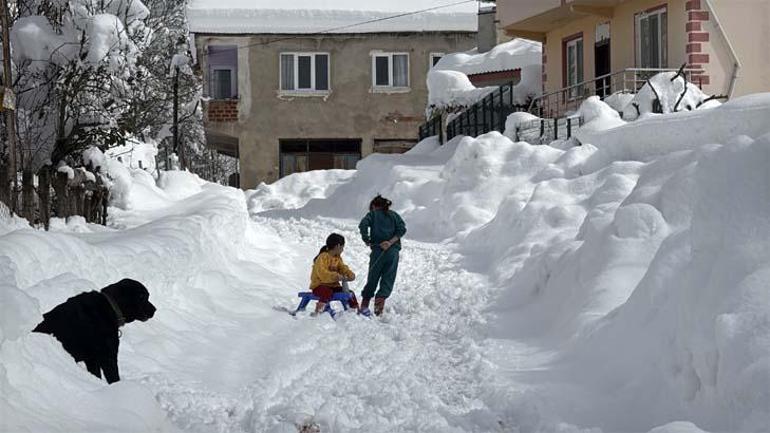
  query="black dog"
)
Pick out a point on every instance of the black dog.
point(87, 324)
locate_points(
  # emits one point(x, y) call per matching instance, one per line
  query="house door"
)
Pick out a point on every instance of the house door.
point(602, 63)
point(602, 67)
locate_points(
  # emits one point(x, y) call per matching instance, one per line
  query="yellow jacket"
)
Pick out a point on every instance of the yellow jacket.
point(327, 270)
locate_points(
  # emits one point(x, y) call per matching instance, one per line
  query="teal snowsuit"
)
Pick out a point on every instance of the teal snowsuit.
point(378, 226)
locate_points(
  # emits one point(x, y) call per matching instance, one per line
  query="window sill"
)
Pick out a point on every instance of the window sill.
point(388, 90)
point(291, 94)
point(212, 99)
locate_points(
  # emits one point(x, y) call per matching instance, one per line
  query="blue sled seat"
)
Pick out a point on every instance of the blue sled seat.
point(342, 297)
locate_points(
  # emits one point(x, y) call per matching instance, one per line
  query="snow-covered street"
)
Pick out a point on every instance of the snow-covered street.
point(607, 288)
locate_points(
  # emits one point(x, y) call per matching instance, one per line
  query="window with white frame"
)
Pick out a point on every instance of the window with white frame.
point(574, 67)
point(652, 38)
point(304, 72)
point(390, 70)
point(434, 58)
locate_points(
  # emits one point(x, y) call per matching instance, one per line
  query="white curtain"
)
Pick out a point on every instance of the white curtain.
point(287, 72)
point(400, 70)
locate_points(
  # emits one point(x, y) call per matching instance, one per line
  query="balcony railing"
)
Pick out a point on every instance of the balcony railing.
point(568, 99)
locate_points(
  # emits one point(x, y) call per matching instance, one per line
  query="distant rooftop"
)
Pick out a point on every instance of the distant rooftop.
point(328, 16)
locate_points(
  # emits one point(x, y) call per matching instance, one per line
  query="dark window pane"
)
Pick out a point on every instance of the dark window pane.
point(654, 42)
point(303, 74)
point(321, 72)
point(221, 86)
point(381, 70)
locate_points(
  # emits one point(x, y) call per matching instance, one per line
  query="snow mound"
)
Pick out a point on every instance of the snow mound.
point(517, 120)
point(295, 190)
point(43, 389)
point(598, 115)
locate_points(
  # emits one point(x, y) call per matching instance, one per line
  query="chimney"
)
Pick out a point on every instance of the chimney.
point(486, 38)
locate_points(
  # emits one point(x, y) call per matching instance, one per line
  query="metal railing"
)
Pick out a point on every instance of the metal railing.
point(544, 131)
point(434, 126)
point(486, 115)
point(567, 100)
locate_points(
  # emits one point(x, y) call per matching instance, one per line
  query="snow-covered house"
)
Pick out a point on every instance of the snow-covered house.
point(602, 46)
point(300, 85)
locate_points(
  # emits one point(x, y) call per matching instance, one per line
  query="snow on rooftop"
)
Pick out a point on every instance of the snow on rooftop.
point(330, 16)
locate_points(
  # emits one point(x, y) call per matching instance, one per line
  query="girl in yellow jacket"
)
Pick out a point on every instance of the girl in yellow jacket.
point(328, 271)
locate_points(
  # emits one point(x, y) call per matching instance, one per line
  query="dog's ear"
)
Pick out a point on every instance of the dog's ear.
point(132, 299)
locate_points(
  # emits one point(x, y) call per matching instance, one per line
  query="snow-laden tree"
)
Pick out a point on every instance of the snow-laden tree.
point(75, 71)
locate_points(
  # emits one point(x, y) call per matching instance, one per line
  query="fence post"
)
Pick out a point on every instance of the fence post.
point(5, 189)
point(517, 133)
point(62, 195)
point(556, 128)
point(542, 128)
point(28, 196)
point(483, 115)
point(500, 111)
point(569, 127)
point(44, 193)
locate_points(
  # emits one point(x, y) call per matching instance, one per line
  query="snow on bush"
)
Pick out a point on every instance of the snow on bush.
point(666, 92)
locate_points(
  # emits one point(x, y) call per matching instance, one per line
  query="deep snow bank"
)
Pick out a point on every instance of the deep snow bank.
point(42, 389)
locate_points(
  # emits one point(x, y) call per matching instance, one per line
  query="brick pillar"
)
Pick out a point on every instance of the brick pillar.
point(698, 39)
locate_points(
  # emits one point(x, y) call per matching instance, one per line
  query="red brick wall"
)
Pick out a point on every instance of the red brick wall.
point(697, 38)
point(222, 111)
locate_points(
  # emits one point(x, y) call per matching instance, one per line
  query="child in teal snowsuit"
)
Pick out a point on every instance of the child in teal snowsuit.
point(382, 230)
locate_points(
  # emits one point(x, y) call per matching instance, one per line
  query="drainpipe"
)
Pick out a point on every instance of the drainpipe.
point(737, 62)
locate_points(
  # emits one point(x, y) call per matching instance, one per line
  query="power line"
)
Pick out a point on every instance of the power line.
point(336, 29)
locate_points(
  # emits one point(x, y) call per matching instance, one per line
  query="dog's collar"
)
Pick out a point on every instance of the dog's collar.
point(118, 314)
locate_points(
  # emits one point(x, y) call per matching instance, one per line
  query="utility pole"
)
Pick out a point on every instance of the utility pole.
point(8, 105)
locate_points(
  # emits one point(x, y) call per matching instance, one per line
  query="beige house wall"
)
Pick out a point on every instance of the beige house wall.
point(352, 110)
point(622, 40)
point(747, 25)
point(706, 34)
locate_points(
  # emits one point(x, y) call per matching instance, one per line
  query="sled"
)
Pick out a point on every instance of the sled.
point(342, 297)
